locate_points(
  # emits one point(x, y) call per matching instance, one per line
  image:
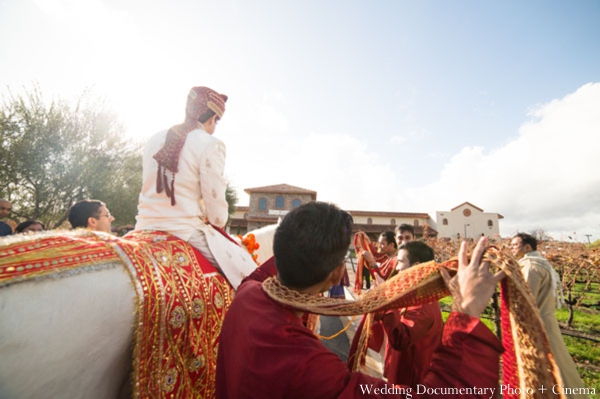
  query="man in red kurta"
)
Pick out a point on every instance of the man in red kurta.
point(388, 248)
point(412, 333)
point(266, 352)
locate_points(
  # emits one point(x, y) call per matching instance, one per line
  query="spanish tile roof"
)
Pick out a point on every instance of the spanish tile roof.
point(281, 189)
point(380, 228)
point(265, 219)
point(466, 203)
point(391, 214)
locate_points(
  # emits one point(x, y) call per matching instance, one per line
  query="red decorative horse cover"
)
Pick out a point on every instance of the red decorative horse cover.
point(182, 301)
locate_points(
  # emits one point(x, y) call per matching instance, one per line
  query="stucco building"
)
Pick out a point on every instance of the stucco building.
point(467, 221)
point(374, 223)
point(269, 203)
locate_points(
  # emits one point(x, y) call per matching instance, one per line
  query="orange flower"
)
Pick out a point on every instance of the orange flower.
point(251, 245)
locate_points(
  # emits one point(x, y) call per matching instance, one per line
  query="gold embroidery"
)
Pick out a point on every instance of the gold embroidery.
point(169, 380)
point(177, 317)
point(197, 363)
point(218, 300)
point(197, 308)
point(180, 309)
point(195, 299)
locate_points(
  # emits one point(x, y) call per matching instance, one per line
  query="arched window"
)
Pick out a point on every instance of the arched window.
point(369, 221)
point(262, 203)
point(296, 203)
point(393, 222)
point(416, 222)
point(490, 223)
point(279, 202)
point(445, 222)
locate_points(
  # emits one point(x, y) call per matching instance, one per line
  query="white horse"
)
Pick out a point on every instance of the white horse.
point(264, 236)
point(71, 335)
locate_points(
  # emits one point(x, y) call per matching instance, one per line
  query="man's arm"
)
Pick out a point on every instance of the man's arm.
point(213, 184)
point(469, 353)
point(408, 328)
point(467, 357)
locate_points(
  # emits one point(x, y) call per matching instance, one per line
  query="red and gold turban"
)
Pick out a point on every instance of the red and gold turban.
point(201, 99)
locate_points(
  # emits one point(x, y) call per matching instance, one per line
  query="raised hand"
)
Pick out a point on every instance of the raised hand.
point(473, 285)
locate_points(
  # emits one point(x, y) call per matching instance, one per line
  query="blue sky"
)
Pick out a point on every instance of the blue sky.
point(376, 105)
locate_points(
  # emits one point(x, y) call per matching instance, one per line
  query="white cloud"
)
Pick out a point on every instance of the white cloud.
point(337, 166)
point(267, 149)
point(412, 136)
point(397, 140)
point(546, 178)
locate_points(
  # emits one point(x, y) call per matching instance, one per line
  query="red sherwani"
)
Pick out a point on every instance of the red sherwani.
point(266, 352)
point(386, 267)
point(411, 341)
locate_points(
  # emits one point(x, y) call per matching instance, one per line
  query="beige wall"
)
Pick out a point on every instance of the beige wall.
point(387, 220)
point(478, 223)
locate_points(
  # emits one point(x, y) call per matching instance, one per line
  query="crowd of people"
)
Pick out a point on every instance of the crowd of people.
point(87, 214)
point(411, 335)
point(266, 349)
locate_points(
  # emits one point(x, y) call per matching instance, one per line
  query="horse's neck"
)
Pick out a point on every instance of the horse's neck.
point(264, 237)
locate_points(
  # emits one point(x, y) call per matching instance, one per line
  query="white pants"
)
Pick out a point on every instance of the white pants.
point(227, 257)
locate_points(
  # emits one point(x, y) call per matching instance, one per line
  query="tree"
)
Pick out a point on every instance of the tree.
point(54, 154)
point(540, 234)
point(232, 199)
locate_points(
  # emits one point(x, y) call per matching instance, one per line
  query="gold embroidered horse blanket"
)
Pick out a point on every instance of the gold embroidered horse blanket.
point(181, 300)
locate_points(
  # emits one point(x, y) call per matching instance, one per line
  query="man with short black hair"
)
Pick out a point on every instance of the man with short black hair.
point(92, 215)
point(405, 233)
point(413, 333)
point(387, 246)
point(545, 286)
point(265, 351)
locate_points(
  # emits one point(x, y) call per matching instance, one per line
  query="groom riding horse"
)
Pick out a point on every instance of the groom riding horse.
point(182, 291)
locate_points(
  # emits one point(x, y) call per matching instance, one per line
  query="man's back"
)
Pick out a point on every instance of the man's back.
point(412, 340)
point(200, 176)
point(538, 274)
point(5, 229)
point(265, 351)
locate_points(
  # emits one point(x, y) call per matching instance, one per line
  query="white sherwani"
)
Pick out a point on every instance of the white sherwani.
point(200, 195)
point(538, 273)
